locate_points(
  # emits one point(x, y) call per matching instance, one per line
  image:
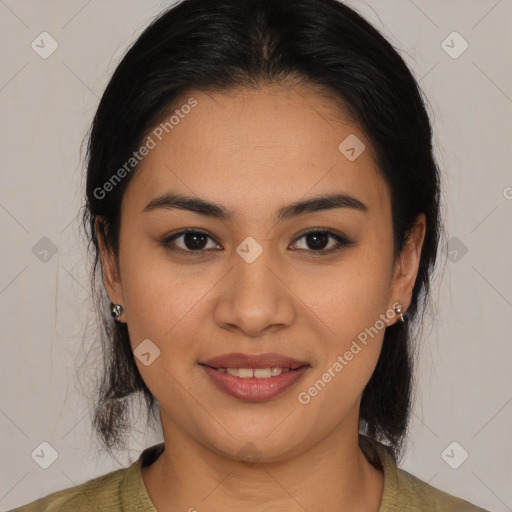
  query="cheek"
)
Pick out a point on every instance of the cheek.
point(350, 296)
point(354, 310)
point(167, 304)
point(156, 292)
point(352, 301)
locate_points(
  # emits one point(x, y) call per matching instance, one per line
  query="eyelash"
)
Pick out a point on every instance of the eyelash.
point(342, 242)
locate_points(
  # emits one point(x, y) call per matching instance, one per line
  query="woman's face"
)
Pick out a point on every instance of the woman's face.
point(262, 285)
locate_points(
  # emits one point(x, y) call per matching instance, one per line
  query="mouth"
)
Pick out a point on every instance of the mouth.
point(257, 373)
point(244, 361)
point(254, 377)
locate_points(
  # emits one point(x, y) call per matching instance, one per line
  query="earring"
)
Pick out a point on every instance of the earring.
point(117, 310)
point(398, 311)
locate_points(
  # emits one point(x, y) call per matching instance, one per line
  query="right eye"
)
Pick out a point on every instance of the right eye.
point(192, 242)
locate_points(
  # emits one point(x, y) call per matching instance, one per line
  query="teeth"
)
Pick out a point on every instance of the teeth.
point(245, 373)
point(263, 373)
point(258, 373)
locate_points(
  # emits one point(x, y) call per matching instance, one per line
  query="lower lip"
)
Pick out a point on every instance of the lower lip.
point(253, 389)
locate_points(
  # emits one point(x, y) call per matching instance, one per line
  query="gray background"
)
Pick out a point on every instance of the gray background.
point(464, 376)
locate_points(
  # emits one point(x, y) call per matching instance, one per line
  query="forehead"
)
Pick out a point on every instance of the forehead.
point(248, 148)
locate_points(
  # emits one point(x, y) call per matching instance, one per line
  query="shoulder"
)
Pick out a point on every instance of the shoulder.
point(403, 491)
point(415, 494)
point(100, 493)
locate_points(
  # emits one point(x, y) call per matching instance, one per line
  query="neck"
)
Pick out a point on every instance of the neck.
point(334, 474)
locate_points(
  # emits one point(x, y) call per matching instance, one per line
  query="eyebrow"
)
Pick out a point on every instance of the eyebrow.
point(170, 201)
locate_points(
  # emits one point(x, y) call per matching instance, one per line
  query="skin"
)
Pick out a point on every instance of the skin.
point(254, 152)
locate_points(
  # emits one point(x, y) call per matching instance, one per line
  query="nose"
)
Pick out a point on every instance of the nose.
point(256, 298)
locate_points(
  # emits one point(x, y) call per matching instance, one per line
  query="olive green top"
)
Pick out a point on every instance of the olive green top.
point(123, 490)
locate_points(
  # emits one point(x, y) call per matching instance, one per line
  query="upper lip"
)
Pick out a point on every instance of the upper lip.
point(241, 360)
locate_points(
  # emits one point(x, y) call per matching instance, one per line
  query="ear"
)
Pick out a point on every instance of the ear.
point(110, 269)
point(407, 265)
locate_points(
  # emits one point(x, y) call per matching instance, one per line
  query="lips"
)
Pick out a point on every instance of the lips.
point(254, 361)
point(254, 378)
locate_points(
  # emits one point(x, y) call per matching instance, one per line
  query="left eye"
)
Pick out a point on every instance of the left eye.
point(319, 240)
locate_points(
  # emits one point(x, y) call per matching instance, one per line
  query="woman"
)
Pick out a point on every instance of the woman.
point(263, 203)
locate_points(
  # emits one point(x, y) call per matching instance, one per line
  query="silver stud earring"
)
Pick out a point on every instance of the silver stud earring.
point(398, 311)
point(117, 310)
